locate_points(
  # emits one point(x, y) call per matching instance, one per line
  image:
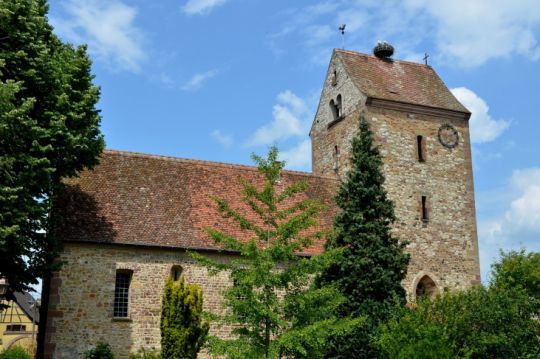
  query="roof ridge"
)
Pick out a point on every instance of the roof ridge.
point(375, 57)
point(203, 162)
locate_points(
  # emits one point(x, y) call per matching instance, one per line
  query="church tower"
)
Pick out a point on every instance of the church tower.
point(423, 134)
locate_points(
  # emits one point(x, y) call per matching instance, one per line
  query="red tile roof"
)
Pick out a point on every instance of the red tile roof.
point(400, 81)
point(132, 198)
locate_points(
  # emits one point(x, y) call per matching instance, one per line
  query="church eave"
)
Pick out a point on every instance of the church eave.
point(416, 108)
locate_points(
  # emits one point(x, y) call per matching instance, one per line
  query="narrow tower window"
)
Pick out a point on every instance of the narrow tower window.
point(336, 158)
point(334, 110)
point(339, 106)
point(334, 78)
point(420, 144)
point(425, 214)
point(121, 294)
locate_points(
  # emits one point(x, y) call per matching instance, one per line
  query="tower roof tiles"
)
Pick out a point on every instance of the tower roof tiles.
point(399, 81)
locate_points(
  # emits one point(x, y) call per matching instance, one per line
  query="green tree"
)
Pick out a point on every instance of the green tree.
point(478, 323)
point(183, 331)
point(518, 270)
point(273, 309)
point(49, 130)
point(373, 262)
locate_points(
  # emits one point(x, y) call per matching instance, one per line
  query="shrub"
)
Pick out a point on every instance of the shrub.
point(183, 331)
point(478, 323)
point(15, 353)
point(146, 354)
point(100, 351)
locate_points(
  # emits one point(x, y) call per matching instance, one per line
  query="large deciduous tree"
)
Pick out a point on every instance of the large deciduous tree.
point(373, 263)
point(273, 308)
point(49, 130)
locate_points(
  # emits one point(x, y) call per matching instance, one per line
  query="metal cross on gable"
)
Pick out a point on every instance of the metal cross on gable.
point(425, 58)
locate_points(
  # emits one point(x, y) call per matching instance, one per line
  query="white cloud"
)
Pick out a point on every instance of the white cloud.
point(298, 157)
point(197, 80)
point(201, 7)
point(319, 33)
point(290, 119)
point(108, 29)
point(224, 139)
point(464, 32)
point(472, 32)
point(524, 212)
point(482, 126)
point(519, 225)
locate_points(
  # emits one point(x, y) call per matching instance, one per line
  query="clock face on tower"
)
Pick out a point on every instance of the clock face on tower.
point(448, 136)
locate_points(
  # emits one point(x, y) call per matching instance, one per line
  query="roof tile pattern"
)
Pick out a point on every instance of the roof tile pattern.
point(151, 200)
point(400, 81)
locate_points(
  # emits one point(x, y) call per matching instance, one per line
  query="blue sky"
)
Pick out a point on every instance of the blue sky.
point(220, 79)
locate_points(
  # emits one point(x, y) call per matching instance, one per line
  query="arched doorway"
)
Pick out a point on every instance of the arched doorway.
point(426, 287)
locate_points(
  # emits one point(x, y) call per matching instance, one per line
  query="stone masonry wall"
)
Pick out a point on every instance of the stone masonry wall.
point(445, 247)
point(82, 295)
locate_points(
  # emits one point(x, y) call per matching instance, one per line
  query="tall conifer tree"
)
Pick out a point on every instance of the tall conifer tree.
point(372, 263)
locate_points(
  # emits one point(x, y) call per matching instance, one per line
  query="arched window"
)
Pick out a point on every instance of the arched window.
point(333, 110)
point(176, 272)
point(426, 287)
point(336, 108)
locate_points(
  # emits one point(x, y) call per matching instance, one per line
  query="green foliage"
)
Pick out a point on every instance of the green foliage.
point(183, 331)
point(372, 263)
point(273, 309)
point(144, 353)
point(15, 353)
point(517, 270)
point(100, 351)
point(478, 323)
point(49, 130)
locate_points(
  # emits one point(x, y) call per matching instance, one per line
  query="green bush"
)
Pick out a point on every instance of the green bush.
point(183, 331)
point(144, 353)
point(100, 351)
point(478, 323)
point(15, 353)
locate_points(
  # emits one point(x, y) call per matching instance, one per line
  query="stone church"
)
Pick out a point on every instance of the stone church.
point(128, 223)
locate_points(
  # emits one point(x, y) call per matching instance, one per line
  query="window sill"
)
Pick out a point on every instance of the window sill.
point(122, 319)
point(335, 122)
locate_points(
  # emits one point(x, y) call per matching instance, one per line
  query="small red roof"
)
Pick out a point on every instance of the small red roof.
point(140, 199)
point(400, 81)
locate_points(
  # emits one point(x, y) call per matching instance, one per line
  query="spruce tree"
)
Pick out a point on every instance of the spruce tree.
point(49, 130)
point(183, 331)
point(372, 263)
point(274, 310)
